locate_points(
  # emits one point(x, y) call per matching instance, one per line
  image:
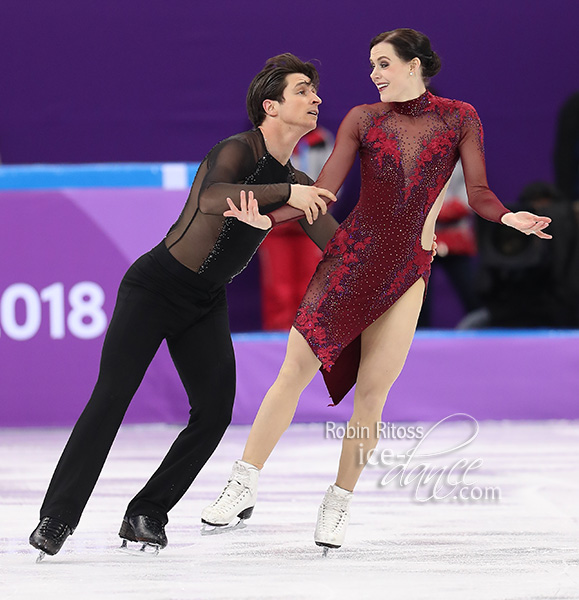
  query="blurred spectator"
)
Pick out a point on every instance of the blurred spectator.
point(287, 257)
point(456, 247)
point(525, 281)
point(567, 148)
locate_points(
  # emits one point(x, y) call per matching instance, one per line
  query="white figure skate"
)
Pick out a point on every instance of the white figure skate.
point(333, 518)
point(236, 502)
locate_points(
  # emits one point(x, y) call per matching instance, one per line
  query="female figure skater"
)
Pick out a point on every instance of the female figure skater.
point(375, 268)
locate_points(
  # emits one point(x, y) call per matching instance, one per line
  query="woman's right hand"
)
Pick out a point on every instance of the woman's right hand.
point(310, 200)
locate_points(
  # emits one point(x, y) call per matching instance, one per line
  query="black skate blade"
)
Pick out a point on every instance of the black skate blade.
point(145, 549)
point(210, 529)
point(217, 528)
point(324, 545)
point(326, 548)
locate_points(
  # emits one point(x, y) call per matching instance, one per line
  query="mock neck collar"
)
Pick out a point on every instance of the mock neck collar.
point(413, 107)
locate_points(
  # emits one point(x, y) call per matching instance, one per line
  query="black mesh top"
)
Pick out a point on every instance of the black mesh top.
point(218, 247)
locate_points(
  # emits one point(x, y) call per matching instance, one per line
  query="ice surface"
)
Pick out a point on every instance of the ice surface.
point(523, 546)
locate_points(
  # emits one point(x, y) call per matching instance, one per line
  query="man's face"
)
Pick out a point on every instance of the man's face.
point(300, 106)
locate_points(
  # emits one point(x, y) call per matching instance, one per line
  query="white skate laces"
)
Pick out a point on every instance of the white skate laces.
point(236, 500)
point(333, 518)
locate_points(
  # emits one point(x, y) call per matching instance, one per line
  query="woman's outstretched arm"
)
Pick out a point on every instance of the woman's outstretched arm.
point(336, 168)
point(480, 197)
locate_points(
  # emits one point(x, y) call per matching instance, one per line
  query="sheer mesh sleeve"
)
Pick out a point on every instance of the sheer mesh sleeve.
point(228, 165)
point(336, 167)
point(480, 197)
point(322, 230)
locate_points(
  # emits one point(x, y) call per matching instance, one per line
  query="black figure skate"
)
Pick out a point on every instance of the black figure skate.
point(49, 536)
point(144, 530)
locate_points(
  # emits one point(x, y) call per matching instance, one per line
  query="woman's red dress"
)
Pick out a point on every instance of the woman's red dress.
point(408, 151)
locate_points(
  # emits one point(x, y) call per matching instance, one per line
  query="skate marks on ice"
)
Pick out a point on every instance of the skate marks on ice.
point(522, 547)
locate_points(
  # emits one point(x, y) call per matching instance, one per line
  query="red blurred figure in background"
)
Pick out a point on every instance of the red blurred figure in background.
point(283, 278)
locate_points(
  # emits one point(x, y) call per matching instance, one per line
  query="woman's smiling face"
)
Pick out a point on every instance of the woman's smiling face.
point(396, 79)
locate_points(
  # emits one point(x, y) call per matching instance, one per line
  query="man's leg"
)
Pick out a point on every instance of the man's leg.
point(134, 335)
point(205, 362)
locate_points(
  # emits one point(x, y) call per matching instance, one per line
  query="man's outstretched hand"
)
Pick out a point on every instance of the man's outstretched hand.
point(306, 198)
point(248, 211)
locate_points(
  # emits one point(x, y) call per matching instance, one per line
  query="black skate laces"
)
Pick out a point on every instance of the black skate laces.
point(53, 529)
point(235, 491)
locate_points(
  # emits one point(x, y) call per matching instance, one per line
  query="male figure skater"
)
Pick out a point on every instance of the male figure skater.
point(177, 292)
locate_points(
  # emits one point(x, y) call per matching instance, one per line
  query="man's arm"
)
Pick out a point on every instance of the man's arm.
point(229, 164)
point(233, 161)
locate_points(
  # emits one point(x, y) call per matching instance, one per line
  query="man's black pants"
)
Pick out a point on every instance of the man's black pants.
point(159, 298)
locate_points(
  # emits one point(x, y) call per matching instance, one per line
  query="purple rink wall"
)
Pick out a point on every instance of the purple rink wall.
point(164, 81)
point(64, 252)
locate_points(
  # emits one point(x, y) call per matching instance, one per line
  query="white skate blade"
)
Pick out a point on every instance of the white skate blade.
point(145, 549)
point(207, 529)
point(41, 556)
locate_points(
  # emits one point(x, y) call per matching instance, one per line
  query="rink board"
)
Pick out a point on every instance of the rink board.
point(490, 375)
point(502, 375)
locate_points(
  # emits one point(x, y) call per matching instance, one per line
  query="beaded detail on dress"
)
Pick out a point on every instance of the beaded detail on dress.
point(413, 107)
point(408, 151)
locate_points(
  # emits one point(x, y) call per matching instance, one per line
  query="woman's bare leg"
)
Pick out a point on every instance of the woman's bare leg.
point(385, 345)
point(280, 403)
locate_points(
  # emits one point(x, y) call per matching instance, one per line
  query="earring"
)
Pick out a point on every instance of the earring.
point(411, 72)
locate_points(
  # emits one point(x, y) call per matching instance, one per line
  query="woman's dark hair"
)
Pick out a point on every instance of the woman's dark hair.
point(409, 44)
point(270, 83)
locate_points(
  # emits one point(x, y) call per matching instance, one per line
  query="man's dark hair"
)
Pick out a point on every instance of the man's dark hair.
point(270, 83)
